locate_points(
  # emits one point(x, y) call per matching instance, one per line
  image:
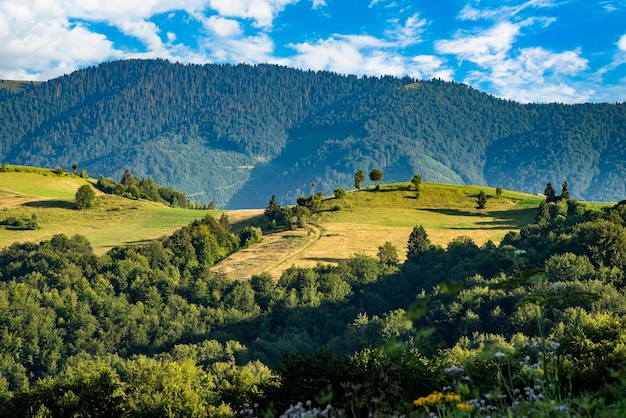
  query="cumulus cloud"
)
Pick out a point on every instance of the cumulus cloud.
point(360, 54)
point(508, 71)
point(262, 12)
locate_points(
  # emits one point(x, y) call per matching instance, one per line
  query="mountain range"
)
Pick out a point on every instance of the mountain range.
point(237, 134)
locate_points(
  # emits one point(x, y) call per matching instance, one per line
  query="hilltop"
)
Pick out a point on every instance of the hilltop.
point(235, 135)
point(48, 197)
point(367, 218)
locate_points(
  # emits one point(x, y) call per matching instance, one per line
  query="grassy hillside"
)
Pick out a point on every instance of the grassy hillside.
point(114, 220)
point(368, 218)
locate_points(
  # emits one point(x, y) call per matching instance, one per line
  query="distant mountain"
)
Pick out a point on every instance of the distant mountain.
point(235, 135)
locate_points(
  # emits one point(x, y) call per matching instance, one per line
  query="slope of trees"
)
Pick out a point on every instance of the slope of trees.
point(149, 330)
point(222, 132)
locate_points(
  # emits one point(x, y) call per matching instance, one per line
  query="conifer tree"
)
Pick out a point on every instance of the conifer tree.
point(549, 193)
point(481, 201)
point(565, 191)
point(418, 243)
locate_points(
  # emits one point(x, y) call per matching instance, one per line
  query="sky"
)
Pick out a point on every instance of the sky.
point(541, 51)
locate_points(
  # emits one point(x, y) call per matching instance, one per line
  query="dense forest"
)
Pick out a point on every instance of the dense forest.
point(234, 135)
point(533, 326)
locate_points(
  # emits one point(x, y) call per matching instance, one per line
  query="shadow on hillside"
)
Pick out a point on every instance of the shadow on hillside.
point(50, 204)
point(511, 219)
point(324, 259)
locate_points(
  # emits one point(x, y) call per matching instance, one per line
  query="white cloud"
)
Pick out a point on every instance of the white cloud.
point(486, 48)
point(224, 27)
point(502, 12)
point(621, 44)
point(409, 33)
point(261, 11)
point(39, 42)
point(531, 74)
point(353, 54)
point(318, 3)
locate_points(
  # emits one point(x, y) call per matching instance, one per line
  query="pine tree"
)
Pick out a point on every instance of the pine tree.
point(565, 191)
point(549, 193)
point(418, 243)
point(272, 209)
point(481, 201)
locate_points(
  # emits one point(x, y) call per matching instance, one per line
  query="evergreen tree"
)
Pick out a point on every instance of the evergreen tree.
point(418, 243)
point(127, 179)
point(498, 192)
point(272, 209)
point(565, 191)
point(550, 193)
point(359, 178)
point(481, 200)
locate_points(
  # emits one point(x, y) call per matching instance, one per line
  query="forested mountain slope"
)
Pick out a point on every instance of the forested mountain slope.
point(235, 135)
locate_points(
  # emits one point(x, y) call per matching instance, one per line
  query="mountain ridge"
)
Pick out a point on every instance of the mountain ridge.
point(236, 134)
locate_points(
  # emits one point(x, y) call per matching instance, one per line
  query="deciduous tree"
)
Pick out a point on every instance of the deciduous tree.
point(376, 175)
point(85, 196)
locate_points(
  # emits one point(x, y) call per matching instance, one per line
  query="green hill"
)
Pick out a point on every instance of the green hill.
point(235, 135)
point(40, 194)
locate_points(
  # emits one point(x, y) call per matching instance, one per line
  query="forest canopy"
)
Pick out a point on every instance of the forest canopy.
point(237, 134)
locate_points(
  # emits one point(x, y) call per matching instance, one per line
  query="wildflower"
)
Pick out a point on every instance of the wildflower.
point(464, 406)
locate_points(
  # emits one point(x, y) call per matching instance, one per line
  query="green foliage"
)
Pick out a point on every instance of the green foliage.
point(417, 244)
point(250, 235)
point(85, 196)
point(376, 175)
point(359, 178)
point(388, 254)
point(152, 330)
point(340, 193)
point(481, 200)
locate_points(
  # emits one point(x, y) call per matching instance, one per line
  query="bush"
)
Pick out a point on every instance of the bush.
point(85, 197)
point(250, 235)
point(340, 193)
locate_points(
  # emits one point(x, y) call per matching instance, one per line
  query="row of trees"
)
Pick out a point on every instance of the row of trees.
point(135, 187)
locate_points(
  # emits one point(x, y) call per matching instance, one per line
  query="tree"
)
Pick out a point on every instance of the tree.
point(418, 243)
point(565, 191)
point(416, 181)
point(543, 214)
point(224, 222)
point(550, 193)
point(340, 193)
point(272, 209)
point(127, 178)
point(376, 175)
point(75, 169)
point(498, 192)
point(481, 200)
point(85, 196)
point(388, 254)
point(359, 178)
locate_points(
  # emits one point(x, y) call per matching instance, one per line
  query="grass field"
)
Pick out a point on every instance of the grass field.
point(366, 219)
point(113, 221)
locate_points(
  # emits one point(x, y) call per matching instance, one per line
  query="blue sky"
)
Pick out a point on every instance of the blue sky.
point(566, 51)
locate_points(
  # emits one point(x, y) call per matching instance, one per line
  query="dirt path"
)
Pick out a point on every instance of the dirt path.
point(271, 255)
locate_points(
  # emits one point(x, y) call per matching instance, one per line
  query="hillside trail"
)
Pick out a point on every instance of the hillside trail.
point(271, 255)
